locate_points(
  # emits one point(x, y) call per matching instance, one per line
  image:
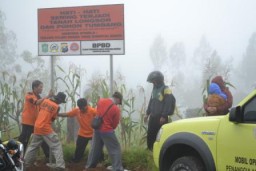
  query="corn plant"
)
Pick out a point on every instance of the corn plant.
point(127, 124)
point(132, 131)
point(142, 112)
point(72, 83)
point(97, 88)
point(5, 107)
point(12, 99)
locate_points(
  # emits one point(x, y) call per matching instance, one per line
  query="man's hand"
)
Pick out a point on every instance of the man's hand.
point(162, 120)
point(146, 118)
point(62, 114)
point(212, 110)
point(50, 94)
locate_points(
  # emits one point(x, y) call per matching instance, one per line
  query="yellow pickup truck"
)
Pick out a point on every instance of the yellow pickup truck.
point(215, 143)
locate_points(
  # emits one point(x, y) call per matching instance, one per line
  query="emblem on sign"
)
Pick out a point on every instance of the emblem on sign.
point(54, 48)
point(74, 46)
point(45, 48)
point(64, 47)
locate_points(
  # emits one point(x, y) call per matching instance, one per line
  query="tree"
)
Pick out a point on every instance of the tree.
point(158, 53)
point(7, 46)
point(248, 63)
point(202, 52)
point(13, 63)
point(189, 80)
point(36, 67)
point(215, 66)
point(176, 65)
point(177, 55)
point(13, 81)
point(209, 62)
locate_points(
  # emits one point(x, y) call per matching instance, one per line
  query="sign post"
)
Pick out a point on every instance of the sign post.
point(111, 75)
point(52, 72)
point(85, 30)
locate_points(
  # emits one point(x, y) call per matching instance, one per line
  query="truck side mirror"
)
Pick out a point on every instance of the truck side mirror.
point(235, 115)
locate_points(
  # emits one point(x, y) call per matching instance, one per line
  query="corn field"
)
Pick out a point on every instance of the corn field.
point(131, 130)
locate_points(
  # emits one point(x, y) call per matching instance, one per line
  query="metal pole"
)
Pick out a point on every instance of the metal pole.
point(111, 74)
point(52, 72)
point(52, 87)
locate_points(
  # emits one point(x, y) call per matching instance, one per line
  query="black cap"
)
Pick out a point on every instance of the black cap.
point(60, 97)
point(118, 95)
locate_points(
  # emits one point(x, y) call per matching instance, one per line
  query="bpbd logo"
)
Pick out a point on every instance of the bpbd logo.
point(101, 45)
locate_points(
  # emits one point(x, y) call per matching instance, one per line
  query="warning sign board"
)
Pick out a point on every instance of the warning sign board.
point(89, 30)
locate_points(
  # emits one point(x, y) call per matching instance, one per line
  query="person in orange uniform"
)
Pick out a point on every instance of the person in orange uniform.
point(29, 114)
point(84, 114)
point(105, 135)
point(43, 132)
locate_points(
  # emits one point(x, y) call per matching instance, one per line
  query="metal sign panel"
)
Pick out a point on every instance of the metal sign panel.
point(89, 30)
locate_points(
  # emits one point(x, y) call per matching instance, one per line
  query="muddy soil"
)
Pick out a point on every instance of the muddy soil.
point(41, 166)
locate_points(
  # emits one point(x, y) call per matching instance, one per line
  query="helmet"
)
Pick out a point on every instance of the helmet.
point(155, 76)
point(12, 145)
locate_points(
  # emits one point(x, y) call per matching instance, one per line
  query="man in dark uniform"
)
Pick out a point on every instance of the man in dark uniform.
point(161, 104)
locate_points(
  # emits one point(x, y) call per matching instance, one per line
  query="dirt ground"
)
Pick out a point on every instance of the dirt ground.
point(41, 166)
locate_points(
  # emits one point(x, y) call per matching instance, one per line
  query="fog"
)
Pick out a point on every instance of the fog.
point(226, 25)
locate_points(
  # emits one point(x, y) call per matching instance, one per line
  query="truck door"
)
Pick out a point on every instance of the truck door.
point(236, 142)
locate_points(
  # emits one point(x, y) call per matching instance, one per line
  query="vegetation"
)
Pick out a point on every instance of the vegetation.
point(15, 81)
point(134, 159)
point(138, 159)
point(11, 104)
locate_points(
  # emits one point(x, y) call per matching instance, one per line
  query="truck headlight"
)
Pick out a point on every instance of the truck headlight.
point(158, 136)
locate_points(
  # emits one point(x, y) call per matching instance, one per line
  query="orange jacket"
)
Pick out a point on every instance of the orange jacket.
point(84, 119)
point(30, 110)
point(48, 112)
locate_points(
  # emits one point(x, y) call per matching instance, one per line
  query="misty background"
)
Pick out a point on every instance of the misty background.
point(190, 41)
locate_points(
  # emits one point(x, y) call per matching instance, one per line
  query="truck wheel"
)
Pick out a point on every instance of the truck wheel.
point(187, 163)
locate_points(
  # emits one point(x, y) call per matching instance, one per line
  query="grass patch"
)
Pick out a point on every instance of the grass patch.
point(68, 151)
point(138, 159)
point(134, 158)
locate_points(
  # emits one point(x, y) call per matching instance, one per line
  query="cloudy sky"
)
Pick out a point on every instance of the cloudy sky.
point(227, 25)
